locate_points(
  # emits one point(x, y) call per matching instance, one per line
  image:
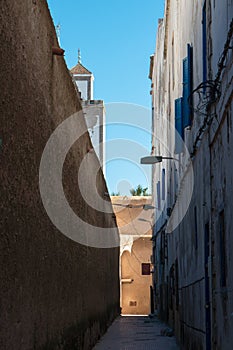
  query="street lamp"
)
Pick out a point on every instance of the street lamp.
point(155, 159)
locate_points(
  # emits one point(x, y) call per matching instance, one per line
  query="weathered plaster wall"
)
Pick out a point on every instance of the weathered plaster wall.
point(186, 272)
point(221, 146)
point(55, 293)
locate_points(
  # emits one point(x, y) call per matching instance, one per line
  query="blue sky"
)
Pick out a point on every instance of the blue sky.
point(116, 39)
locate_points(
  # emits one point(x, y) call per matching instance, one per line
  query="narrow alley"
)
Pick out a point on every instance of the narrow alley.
point(137, 333)
point(116, 172)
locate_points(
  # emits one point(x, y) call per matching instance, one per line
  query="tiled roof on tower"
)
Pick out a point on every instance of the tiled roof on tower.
point(79, 68)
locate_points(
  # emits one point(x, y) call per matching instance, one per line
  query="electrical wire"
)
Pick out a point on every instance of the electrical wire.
point(209, 92)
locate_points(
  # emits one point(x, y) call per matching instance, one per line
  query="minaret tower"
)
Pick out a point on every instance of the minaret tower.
point(93, 110)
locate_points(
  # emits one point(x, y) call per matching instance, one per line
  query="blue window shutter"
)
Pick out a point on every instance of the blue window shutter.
point(163, 184)
point(187, 87)
point(204, 43)
point(159, 195)
point(179, 135)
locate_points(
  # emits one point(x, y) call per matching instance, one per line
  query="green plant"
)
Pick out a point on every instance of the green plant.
point(139, 191)
point(115, 194)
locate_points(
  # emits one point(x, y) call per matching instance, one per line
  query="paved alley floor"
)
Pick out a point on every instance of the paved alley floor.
point(138, 333)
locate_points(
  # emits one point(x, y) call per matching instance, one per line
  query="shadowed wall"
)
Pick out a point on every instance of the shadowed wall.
point(55, 293)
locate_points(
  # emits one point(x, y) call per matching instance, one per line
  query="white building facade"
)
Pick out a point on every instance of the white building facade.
point(191, 73)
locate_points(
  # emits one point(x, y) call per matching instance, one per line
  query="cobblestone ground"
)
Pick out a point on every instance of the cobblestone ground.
point(136, 333)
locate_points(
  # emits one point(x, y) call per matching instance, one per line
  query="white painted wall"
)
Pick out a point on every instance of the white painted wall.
point(181, 25)
point(95, 118)
point(82, 86)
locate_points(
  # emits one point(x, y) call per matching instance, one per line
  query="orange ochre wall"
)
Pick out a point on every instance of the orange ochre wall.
point(135, 295)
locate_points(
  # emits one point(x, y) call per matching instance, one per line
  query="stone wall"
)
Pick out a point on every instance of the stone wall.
point(55, 293)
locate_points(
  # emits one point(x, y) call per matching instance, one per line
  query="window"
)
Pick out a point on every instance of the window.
point(222, 249)
point(204, 44)
point(163, 184)
point(179, 135)
point(183, 105)
point(163, 248)
point(177, 284)
point(173, 62)
point(158, 195)
point(172, 285)
point(175, 181)
point(145, 269)
point(187, 86)
point(195, 228)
